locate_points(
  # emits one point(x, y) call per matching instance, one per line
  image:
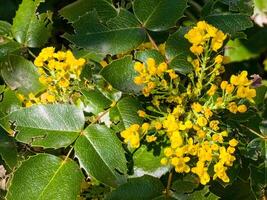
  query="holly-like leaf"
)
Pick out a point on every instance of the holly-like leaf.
point(177, 51)
point(21, 74)
point(8, 47)
point(100, 153)
point(186, 185)
point(149, 53)
point(203, 194)
point(125, 113)
point(5, 28)
point(9, 102)
point(177, 44)
point(104, 8)
point(230, 22)
point(148, 162)
point(142, 188)
point(8, 149)
point(256, 149)
point(159, 15)
point(120, 74)
point(48, 126)
point(29, 28)
point(45, 177)
point(95, 102)
point(118, 35)
point(258, 180)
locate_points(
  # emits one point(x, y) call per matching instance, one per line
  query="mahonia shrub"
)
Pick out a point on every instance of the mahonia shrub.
point(129, 100)
point(187, 118)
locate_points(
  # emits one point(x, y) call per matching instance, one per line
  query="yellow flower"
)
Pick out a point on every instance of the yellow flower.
point(164, 161)
point(162, 68)
point(180, 164)
point(196, 49)
point(224, 85)
point(212, 90)
point(218, 59)
point(201, 171)
point(170, 123)
point(196, 107)
point(188, 124)
point(151, 66)
point(214, 125)
point(64, 83)
point(168, 151)
point(242, 108)
point(157, 125)
point(202, 121)
point(229, 88)
point(232, 107)
point(207, 112)
point(145, 127)
point(241, 79)
point(138, 80)
point(21, 97)
point(176, 139)
point(233, 142)
point(217, 41)
point(172, 74)
point(151, 138)
point(141, 113)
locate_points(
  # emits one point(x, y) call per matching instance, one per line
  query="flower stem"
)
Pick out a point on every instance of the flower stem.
point(169, 184)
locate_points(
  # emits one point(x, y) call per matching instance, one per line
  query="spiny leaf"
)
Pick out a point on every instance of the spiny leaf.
point(28, 28)
point(120, 34)
point(45, 177)
point(100, 153)
point(49, 126)
point(159, 15)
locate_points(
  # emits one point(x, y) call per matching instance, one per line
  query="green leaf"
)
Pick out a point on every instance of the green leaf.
point(142, 188)
point(230, 22)
point(5, 28)
point(100, 153)
point(9, 103)
point(8, 150)
point(177, 45)
point(104, 8)
point(261, 93)
point(236, 51)
point(147, 161)
point(119, 35)
point(29, 28)
point(125, 112)
point(95, 101)
point(149, 53)
point(177, 51)
point(8, 47)
point(21, 74)
point(181, 65)
point(256, 149)
point(45, 177)
point(258, 179)
point(88, 55)
point(120, 74)
point(159, 15)
point(187, 185)
point(203, 194)
point(48, 126)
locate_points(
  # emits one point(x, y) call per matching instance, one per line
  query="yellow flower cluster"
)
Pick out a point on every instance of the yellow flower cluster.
point(132, 135)
point(184, 116)
point(204, 35)
point(151, 75)
point(59, 73)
